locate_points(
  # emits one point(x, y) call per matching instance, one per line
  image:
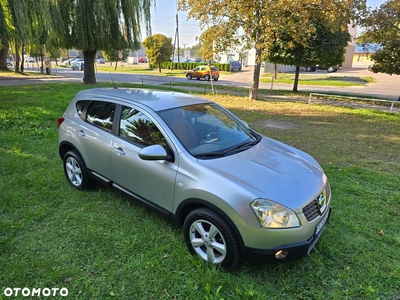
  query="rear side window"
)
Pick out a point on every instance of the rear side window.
point(101, 114)
point(80, 107)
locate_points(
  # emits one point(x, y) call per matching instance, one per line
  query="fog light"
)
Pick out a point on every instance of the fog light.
point(281, 254)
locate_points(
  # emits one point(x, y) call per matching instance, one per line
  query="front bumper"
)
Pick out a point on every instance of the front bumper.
point(287, 252)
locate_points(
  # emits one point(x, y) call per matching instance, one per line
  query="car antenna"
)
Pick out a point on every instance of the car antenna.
point(115, 87)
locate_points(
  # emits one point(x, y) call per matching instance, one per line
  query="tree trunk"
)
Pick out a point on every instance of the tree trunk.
point(159, 68)
point(89, 76)
point(3, 56)
point(296, 79)
point(256, 76)
point(18, 59)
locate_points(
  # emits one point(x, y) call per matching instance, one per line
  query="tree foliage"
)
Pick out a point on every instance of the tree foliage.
point(25, 24)
point(90, 25)
point(159, 49)
point(253, 23)
point(382, 27)
point(86, 25)
point(323, 47)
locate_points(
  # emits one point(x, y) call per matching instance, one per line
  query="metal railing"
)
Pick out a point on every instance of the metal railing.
point(354, 98)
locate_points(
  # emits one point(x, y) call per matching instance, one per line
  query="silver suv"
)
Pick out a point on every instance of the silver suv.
point(235, 192)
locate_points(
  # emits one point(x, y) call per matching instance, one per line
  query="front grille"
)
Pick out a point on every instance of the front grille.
point(317, 207)
point(311, 211)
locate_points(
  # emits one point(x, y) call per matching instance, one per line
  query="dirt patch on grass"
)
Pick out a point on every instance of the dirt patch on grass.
point(279, 124)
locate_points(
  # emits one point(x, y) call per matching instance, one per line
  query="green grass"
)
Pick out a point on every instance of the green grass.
point(101, 245)
point(319, 80)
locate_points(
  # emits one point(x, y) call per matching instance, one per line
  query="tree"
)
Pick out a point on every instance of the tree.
point(260, 19)
point(324, 47)
point(114, 56)
point(382, 27)
point(4, 38)
point(26, 22)
point(100, 25)
point(159, 49)
point(196, 51)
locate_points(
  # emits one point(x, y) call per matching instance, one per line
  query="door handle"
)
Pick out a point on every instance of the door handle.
point(81, 133)
point(119, 151)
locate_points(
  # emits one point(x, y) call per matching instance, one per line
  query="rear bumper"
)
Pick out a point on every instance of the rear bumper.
point(290, 251)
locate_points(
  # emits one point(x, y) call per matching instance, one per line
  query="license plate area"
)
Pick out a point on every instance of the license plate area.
point(322, 223)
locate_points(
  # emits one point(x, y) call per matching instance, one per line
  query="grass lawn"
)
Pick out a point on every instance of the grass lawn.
point(102, 245)
point(319, 79)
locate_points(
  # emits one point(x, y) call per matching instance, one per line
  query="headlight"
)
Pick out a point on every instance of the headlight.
point(273, 215)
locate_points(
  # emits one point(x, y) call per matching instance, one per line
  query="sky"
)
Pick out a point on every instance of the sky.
point(163, 20)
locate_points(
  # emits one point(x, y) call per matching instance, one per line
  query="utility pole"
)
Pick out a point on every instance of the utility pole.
point(176, 39)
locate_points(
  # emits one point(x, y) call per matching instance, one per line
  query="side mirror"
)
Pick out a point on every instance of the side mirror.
point(154, 152)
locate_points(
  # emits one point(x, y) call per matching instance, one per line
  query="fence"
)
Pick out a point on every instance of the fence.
point(355, 98)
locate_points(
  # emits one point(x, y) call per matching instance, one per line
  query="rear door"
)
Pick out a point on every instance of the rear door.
point(94, 137)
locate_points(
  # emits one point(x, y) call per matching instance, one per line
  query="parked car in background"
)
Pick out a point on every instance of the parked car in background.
point(236, 193)
point(143, 60)
point(78, 64)
point(320, 67)
point(101, 60)
point(9, 63)
point(29, 59)
point(234, 65)
point(205, 72)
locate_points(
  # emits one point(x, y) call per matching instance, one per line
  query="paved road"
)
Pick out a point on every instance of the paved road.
point(386, 86)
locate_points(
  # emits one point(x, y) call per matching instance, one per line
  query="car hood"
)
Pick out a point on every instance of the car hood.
point(273, 170)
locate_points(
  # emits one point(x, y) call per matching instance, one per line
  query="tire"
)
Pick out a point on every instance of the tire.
point(330, 70)
point(207, 77)
point(215, 78)
point(189, 76)
point(76, 172)
point(220, 248)
point(308, 69)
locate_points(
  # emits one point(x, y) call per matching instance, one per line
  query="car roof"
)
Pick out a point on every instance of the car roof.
point(156, 100)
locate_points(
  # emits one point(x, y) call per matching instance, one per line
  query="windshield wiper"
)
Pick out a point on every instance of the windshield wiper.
point(242, 146)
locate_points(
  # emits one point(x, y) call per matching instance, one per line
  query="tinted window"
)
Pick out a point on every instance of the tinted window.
point(80, 106)
point(137, 128)
point(101, 114)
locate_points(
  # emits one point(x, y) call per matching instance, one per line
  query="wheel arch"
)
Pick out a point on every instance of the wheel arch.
point(64, 147)
point(188, 205)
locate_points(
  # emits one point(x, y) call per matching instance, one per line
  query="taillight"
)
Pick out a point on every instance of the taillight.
point(59, 121)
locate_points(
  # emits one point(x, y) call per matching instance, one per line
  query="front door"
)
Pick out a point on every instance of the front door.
point(153, 181)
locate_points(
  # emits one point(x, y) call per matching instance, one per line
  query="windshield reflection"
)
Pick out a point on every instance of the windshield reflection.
point(207, 130)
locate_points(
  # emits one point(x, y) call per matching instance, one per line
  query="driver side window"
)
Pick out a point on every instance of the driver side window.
point(137, 128)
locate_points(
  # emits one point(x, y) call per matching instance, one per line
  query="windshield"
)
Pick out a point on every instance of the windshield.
point(208, 130)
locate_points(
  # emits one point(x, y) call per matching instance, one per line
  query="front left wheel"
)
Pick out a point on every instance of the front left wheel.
point(210, 237)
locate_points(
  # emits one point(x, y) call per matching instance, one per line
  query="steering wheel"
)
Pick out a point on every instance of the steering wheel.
point(211, 136)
